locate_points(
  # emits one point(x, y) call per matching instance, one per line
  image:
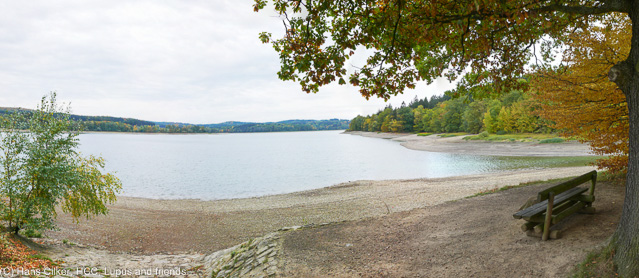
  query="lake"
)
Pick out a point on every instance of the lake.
point(239, 165)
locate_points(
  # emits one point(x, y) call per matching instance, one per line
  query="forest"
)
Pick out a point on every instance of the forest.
point(513, 112)
point(289, 125)
point(117, 124)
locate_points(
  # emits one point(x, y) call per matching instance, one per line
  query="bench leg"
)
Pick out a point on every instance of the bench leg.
point(588, 210)
point(528, 226)
point(547, 222)
point(554, 234)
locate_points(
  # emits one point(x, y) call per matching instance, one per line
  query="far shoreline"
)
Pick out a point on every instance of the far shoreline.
point(200, 133)
point(456, 145)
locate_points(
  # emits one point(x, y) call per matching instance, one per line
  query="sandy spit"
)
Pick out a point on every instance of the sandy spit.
point(434, 143)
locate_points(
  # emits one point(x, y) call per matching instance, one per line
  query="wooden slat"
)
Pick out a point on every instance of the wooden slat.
point(541, 207)
point(539, 218)
point(564, 186)
point(574, 208)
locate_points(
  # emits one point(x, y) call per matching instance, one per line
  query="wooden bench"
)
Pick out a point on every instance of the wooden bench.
point(556, 203)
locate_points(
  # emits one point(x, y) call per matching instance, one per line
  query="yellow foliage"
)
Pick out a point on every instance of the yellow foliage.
point(581, 100)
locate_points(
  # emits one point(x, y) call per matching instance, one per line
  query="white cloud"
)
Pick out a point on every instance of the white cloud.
point(188, 61)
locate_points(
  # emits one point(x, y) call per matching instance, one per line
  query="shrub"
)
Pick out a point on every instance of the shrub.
point(43, 170)
point(31, 233)
point(552, 141)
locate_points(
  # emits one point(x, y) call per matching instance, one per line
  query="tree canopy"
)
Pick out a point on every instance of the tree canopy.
point(514, 112)
point(42, 169)
point(419, 40)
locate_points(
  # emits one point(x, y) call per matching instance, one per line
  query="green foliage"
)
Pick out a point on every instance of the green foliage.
point(448, 135)
point(473, 117)
point(288, 125)
point(457, 115)
point(488, 42)
point(484, 135)
point(552, 141)
point(42, 169)
point(31, 233)
point(115, 124)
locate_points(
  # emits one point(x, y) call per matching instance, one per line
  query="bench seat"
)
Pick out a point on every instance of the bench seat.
point(540, 208)
point(558, 202)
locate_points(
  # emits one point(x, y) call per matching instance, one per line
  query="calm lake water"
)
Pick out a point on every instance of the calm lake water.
point(223, 166)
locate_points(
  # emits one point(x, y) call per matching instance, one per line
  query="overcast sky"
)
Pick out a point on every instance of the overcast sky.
point(183, 61)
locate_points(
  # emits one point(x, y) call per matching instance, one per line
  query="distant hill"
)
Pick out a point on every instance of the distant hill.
point(118, 124)
point(288, 125)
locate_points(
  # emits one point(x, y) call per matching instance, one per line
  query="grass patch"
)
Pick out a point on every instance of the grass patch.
point(455, 134)
point(598, 263)
point(492, 191)
point(522, 162)
point(552, 141)
point(612, 178)
point(520, 137)
point(424, 134)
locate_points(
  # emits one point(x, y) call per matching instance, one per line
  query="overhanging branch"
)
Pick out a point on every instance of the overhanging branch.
point(604, 7)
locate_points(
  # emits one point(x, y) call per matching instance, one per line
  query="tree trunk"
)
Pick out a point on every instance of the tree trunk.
point(626, 238)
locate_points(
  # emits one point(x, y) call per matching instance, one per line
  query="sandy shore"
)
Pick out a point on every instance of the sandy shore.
point(150, 226)
point(434, 143)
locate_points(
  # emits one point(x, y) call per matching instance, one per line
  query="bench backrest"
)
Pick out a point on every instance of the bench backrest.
point(590, 176)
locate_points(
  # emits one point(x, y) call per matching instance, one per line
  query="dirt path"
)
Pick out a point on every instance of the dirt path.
point(474, 237)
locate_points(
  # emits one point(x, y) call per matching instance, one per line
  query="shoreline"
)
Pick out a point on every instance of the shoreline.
point(199, 133)
point(360, 189)
point(197, 235)
point(363, 189)
point(457, 145)
point(149, 226)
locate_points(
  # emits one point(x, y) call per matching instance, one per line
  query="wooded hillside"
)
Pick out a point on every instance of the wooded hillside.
point(514, 112)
